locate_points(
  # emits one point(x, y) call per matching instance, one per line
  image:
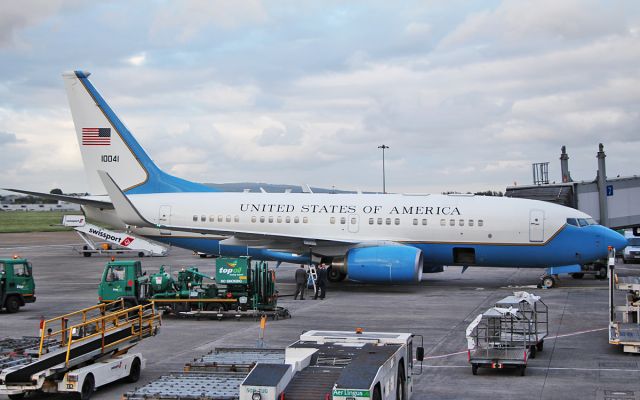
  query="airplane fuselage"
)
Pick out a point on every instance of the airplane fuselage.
point(449, 229)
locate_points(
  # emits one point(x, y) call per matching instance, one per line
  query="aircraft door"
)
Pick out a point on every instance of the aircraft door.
point(164, 218)
point(536, 226)
point(353, 223)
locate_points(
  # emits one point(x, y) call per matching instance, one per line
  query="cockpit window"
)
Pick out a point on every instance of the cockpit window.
point(581, 221)
point(572, 221)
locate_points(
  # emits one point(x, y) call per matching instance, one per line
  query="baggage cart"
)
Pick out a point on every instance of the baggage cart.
point(499, 338)
point(535, 311)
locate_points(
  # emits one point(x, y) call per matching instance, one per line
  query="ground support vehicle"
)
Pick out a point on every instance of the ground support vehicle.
point(110, 242)
point(216, 375)
point(321, 365)
point(340, 366)
point(631, 253)
point(534, 312)
point(624, 323)
point(83, 350)
point(499, 338)
point(238, 289)
point(17, 286)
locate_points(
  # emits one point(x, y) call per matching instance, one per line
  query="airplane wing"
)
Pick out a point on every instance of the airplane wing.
point(106, 205)
point(129, 214)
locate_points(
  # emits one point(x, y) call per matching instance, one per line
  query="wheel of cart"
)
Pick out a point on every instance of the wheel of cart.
point(474, 369)
point(532, 351)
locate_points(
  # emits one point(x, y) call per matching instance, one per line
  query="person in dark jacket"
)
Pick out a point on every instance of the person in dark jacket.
point(321, 282)
point(301, 282)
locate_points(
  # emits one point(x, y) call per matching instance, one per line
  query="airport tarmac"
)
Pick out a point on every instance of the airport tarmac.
point(577, 361)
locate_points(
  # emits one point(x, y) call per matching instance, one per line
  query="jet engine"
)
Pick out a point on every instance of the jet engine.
point(379, 264)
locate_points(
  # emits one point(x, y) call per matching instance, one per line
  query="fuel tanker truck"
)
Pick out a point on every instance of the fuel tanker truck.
point(238, 288)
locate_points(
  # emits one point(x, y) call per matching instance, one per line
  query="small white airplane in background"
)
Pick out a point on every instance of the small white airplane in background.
point(388, 238)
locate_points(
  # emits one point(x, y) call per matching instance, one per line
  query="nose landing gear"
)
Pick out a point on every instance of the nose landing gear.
point(548, 281)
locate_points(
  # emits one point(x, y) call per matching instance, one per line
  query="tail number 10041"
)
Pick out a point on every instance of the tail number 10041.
point(109, 158)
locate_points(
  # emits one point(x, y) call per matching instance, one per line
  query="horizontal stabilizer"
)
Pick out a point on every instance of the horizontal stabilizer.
point(69, 199)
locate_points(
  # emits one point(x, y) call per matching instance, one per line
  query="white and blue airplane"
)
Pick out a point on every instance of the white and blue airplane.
point(387, 238)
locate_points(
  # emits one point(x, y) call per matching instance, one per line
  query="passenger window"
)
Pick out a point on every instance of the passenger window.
point(228, 218)
point(236, 219)
point(379, 221)
point(480, 222)
point(262, 219)
point(287, 220)
point(296, 220)
point(371, 221)
point(388, 221)
point(397, 221)
point(470, 222)
point(452, 222)
point(279, 219)
point(443, 222)
point(270, 219)
point(305, 220)
point(353, 221)
point(203, 218)
point(424, 221)
point(343, 220)
point(212, 218)
point(253, 219)
point(415, 221)
point(195, 218)
point(332, 220)
point(219, 218)
point(461, 222)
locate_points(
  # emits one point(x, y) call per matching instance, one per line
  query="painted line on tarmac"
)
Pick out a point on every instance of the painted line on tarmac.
point(547, 338)
point(549, 368)
point(38, 246)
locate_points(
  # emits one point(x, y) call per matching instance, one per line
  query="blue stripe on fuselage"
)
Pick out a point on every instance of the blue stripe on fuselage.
point(572, 245)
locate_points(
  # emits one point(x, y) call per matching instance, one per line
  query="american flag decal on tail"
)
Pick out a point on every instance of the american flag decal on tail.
point(96, 136)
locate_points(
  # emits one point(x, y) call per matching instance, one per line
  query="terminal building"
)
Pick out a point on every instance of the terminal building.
point(613, 202)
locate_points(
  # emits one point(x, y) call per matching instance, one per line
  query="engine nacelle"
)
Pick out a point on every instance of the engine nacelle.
point(384, 264)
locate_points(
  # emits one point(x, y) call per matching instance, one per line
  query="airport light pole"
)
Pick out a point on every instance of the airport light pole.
point(384, 186)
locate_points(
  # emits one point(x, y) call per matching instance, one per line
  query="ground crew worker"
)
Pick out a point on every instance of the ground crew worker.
point(321, 282)
point(301, 281)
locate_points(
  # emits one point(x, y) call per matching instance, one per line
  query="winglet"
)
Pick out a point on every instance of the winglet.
point(124, 208)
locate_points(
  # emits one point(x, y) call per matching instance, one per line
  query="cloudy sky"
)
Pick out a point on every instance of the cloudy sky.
point(467, 94)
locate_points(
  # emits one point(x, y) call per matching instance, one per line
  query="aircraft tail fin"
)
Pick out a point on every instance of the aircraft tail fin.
point(106, 144)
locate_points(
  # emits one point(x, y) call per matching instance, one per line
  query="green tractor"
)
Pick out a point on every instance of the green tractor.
point(17, 286)
point(237, 286)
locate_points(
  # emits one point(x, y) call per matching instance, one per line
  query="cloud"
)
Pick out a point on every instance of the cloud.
point(18, 15)
point(182, 21)
point(467, 95)
point(137, 60)
point(6, 138)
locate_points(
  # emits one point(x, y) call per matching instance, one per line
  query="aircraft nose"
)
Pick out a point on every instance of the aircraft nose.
point(615, 239)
